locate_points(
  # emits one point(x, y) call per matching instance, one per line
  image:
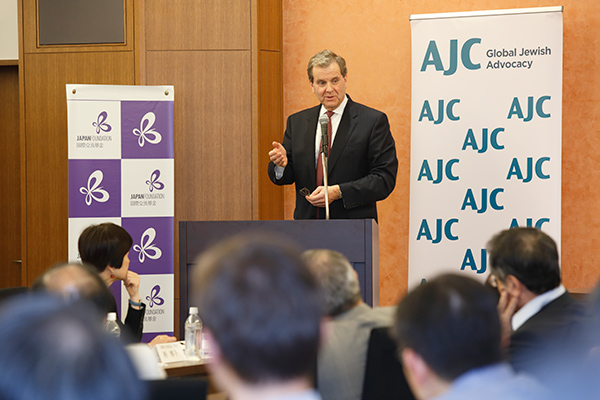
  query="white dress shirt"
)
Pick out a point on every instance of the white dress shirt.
point(535, 305)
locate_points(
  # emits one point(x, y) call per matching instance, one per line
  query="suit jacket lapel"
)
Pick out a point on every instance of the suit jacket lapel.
point(347, 125)
point(309, 141)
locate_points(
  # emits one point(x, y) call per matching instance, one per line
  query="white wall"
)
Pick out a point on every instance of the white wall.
point(9, 42)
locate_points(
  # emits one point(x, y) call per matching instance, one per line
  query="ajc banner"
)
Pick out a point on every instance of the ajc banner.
point(121, 170)
point(486, 134)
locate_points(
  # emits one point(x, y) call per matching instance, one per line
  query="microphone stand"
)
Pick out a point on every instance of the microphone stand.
point(324, 160)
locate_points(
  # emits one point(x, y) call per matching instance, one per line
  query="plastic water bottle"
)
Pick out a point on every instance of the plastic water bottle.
point(193, 332)
point(111, 325)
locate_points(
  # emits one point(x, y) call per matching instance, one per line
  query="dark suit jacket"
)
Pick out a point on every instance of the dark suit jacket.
point(547, 337)
point(384, 376)
point(362, 161)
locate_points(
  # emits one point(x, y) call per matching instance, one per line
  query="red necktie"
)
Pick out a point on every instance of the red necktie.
point(320, 161)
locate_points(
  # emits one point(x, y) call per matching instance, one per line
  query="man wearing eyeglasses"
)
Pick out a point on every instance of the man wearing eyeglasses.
point(539, 317)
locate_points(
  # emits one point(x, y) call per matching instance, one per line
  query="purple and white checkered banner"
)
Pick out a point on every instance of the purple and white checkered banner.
point(121, 170)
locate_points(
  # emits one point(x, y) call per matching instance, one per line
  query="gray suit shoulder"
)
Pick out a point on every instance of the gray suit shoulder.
point(362, 313)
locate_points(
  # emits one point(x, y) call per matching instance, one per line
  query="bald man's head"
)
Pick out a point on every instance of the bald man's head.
point(74, 281)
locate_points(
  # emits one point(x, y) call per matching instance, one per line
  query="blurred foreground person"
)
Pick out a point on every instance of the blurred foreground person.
point(75, 282)
point(343, 356)
point(52, 350)
point(574, 369)
point(448, 335)
point(261, 310)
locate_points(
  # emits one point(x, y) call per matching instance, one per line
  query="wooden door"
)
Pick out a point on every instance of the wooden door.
point(10, 188)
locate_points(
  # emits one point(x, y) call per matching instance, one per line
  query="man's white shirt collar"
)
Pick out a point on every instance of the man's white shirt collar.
point(535, 305)
point(337, 111)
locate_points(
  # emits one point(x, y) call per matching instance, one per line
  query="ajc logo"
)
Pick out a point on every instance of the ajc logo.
point(432, 56)
point(100, 125)
point(146, 247)
point(153, 182)
point(146, 132)
point(94, 188)
point(154, 297)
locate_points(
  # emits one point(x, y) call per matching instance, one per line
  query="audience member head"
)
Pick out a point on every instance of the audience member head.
point(75, 282)
point(104, 245)
point(324, 59)
point(337, 279)
point(526, 255)
point(261, 308)
point(57, 350)
point(445, 328)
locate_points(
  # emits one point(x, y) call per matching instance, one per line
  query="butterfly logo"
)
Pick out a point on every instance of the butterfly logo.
point(154, 297)
point(146, 247)
point(153, 182)
point(94, 191)
point(146, 133)
point(100, 125)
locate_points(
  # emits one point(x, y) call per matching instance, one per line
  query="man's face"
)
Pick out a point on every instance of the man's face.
point(329, 86)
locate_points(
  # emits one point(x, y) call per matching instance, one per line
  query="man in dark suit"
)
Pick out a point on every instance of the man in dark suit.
point(540, 320)
point(362, 163)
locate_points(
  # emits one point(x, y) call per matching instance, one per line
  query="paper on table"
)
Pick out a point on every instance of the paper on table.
point(170, 352)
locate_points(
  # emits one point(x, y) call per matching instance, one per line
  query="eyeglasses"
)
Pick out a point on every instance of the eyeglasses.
point(493, 281)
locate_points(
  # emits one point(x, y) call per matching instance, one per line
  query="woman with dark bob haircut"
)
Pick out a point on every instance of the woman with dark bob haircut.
point(106, 247)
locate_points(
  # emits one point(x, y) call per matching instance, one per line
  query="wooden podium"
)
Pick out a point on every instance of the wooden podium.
point(357, 239)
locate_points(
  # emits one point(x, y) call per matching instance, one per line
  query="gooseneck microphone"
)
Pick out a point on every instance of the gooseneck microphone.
point(323, 121)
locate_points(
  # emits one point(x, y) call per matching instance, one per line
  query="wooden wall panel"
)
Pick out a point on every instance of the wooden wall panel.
point(10, 201)
point(270, 113)
point(212, 131)
point(269, 86)
point(269, 25)
point(193, 24)
point(46, 145)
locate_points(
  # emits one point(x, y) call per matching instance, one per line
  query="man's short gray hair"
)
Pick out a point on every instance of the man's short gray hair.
point(324, 59)
point(336, 277)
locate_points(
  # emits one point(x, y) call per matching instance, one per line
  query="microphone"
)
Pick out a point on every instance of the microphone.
point(323, 121)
